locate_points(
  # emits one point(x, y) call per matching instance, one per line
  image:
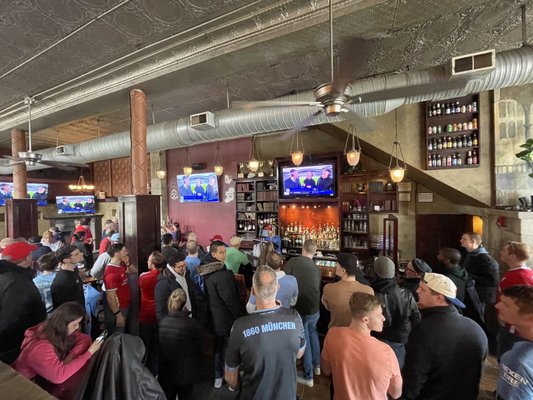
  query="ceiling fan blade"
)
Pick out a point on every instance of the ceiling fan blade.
point(301, 125)
point(352, 61)
point(13, 158)
point(63, 165)
point(407, 91)
point(250, 105)
point(360, 123)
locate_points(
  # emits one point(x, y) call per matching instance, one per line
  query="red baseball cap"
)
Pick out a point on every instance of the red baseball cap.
point(216, 237)
point(19, 250)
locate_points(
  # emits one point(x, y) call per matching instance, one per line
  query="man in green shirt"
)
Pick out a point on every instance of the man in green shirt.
point(234, 257)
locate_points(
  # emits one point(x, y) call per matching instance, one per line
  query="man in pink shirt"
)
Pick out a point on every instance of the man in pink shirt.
point(361, 366)
point(514, 255)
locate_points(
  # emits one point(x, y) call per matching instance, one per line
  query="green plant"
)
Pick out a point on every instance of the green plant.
point(527, 154)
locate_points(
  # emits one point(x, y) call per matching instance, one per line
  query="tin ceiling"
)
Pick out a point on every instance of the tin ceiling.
point(79, 58)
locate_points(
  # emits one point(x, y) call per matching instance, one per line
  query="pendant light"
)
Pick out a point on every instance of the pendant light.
point(187, 169)
point(160, 173)
point(353, 155)
point(398, 171)
point(253, 164)
point(219, 169)
point(297, 156)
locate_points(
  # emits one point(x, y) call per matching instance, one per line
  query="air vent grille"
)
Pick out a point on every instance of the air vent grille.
point(473, 63)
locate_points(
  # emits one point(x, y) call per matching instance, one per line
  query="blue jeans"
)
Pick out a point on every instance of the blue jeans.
point(399, 350)
point(312, 345)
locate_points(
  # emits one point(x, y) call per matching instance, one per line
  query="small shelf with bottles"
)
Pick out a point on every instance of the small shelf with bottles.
point(363, 194)
point(452, 133)
point(257, 207)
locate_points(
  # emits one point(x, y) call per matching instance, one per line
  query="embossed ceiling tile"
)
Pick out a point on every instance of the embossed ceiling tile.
point(34, 22)
point(130, 23)
point(66, 12)
point(160, 12)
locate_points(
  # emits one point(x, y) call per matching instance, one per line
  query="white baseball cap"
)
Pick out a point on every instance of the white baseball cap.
point(443, 285)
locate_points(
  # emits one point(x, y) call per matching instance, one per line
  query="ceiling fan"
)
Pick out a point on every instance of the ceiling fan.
point(333, 97)
point(31, 158)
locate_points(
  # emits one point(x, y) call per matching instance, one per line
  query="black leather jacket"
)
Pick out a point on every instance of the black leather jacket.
point(400, 310)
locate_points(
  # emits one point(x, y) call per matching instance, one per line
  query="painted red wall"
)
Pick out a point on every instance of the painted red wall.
point(207, 219)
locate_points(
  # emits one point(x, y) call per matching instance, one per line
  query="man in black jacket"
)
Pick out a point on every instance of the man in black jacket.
point(67, 285)
point(445, 351)
point(20, 302)
point(400, 309)
point(224, 302)
point(450, 258)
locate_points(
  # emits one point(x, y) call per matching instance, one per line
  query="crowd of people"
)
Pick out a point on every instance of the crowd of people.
point(422, 335)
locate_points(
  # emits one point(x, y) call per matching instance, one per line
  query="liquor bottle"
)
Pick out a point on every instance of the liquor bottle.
point(429, 161)
point(454, 160)
point(457, 107)
point(452, 108)
point(430, 130)
point(469, 158)
point(449, 128)
point(447, 109)
point(459, 143)
point(449, 160)
point(463, 109)
point(469, 142)
point(430, 145)
point(474, 139)
point(474, 123)
point(433, 110)
point(465, 141)
point(474, 157)
point(439, 144)
point(454, 143)
point(459, 160)
point(430, 111)
point(433, 160)
point(474, 106)
point(465, 126)
point(449, 143)
point(439, 161)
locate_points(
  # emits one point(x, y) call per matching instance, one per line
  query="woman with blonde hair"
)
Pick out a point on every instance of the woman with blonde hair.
point(180, 348)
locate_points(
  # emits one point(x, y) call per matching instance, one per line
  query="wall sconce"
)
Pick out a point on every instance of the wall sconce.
point(253, 164)
point(219, 169)
point(187, 169)
point(397, 172)
point(298, 155)
point(352, 156)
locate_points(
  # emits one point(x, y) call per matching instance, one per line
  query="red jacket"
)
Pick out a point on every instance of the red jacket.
point(38, 357)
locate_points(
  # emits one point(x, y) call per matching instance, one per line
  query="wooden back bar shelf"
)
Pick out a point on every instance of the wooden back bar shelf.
point(452, 133)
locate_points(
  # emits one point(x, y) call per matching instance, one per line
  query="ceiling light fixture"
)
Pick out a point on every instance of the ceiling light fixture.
point(160, 173)
point(187, 168)
point(253, 164)
point(298, 155)
point(398, 171)
point(219, 169)
point(353, 155)
point(81, 186)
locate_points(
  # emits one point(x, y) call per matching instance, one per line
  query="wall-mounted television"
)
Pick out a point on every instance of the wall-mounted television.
point(198, 188)
point(75, 204)
point(313, 180)
point(38, 191)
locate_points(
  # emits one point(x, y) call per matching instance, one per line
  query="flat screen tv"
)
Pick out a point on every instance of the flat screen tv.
point(75, 204)
point(38, 191)
point(198, 188)
point(313, 180)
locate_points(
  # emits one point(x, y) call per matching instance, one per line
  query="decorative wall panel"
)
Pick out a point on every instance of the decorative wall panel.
point(102, 177)
point(121, 176)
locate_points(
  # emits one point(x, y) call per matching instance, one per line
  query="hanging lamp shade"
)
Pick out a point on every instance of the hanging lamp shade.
point(354, 154)
point(297, 157)
point(396, 174)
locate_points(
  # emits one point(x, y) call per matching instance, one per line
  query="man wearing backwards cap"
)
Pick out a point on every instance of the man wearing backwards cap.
point(20, 302)
point(445, 351)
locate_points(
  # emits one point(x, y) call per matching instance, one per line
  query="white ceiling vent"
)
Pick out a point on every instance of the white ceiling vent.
point(202, 121)
point(65, 150)
point(483, 61)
